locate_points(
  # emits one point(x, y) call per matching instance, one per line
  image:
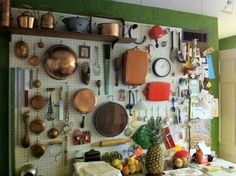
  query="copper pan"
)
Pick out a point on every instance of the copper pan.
point(37, 102)
point(84, 101)
point(37, 126)
point(60, 62)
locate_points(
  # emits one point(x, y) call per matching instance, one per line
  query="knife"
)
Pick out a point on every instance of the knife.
point(106, 63)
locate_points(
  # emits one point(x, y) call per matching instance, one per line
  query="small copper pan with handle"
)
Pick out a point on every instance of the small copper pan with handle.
point(84, 101)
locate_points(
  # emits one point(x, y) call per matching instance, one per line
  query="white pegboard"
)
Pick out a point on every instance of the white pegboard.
point(46, 164)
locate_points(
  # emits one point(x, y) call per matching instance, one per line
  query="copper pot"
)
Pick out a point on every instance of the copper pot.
point(47, 21)
point(112, 29)
point(60, 62)
point(5, 13)
point(26, 20)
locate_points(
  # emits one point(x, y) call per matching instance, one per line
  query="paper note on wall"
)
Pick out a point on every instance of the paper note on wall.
point(215, 108)
point(211, 72)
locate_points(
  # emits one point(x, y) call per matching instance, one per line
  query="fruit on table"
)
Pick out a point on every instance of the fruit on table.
point(180, 159)
point(125, 170)
point(178, 162)
point(115, 162)
point(155, 153)
point(129, 166)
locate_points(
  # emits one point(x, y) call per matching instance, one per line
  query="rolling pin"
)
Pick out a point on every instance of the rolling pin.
point(111, 142)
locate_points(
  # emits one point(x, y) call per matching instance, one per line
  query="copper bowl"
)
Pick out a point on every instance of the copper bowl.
point(60, 62)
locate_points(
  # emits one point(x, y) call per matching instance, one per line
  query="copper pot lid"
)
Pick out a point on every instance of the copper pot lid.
point(110, 119)
point(60, 62)
point(84, 100)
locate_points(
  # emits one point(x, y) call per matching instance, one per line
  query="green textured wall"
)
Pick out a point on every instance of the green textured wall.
point(4, 52)
point(227, 43)
point(129, 12)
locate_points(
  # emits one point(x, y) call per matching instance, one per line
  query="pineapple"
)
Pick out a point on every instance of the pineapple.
point(155, 153)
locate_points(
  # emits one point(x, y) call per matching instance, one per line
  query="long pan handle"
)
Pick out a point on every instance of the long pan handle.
point(106, 62)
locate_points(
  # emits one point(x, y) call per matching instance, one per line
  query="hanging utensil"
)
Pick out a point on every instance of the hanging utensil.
point(131, 103)
point(85, 73)
point(122, 95)
point(106, 62)
point(110, 119)
point(34, 60)
point(98, 84)
point(37, 126)
point(37, 102)
point(26, 86)
point(96, 64)
point(152, 116)
point(139, 118)
point(61, 104)
point(50, 112)
point(145, 118)
point(188, 64)
point(117, 68)
point(172, 49)
point(67, 105)
point(173, 109)
point(26, 139)
point(40, 44)
point(84, 101)
point(156, 33)
point(37, 83)
point(180, 54)
point(38, 150)
point(53, 132)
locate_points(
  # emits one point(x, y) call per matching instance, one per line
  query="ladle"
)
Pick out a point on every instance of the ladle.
point(98, 84)
point(40, 44)
point(37, 82)
point(34, 60)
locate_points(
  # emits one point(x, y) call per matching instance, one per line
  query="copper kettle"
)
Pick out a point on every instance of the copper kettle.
point(26, 20)
point(47, 21)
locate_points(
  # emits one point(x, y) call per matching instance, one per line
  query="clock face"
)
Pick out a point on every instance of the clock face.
point(161, 67)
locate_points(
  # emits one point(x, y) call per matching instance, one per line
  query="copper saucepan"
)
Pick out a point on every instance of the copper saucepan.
point(84, 101)
point(60, 62)
point(112, 29)
point(37, 126)
point(38, 150)
point(37, 102)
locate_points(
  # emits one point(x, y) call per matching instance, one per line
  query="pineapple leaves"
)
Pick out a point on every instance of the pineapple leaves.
point(154, 130)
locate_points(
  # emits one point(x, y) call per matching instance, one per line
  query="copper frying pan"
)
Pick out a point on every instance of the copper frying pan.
point(84, 101)
point(110, 119)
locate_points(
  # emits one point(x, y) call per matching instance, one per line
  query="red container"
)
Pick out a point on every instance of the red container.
point(157, 91)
